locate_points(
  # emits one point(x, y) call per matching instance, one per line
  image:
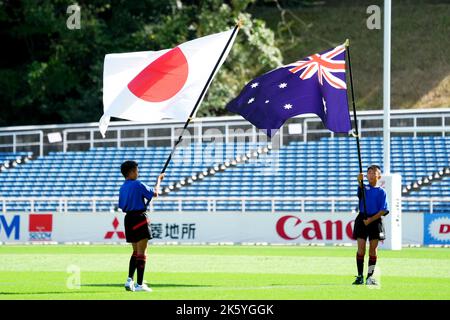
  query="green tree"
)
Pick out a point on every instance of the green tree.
point(254, 51)
point(50, 74)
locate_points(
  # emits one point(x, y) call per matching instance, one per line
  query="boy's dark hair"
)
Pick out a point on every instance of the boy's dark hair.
point(127, 167)
point(374, 167)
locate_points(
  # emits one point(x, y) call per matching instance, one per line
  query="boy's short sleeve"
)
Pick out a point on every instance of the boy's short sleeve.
point(147, 192)
point(359, 192)
point(383, 201)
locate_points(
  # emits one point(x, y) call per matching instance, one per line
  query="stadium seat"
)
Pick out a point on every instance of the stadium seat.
point(313, 168)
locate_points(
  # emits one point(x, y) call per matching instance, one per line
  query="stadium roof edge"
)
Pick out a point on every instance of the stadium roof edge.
point(205, 119)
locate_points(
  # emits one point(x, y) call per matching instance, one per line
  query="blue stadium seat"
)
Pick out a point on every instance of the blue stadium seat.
point(314, 168)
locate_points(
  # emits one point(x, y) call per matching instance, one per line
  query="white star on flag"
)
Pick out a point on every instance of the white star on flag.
point(254, 85)
point(287, 106)
point(324, 105)
point(250, 100)
point(282, 85)
point(267, 101)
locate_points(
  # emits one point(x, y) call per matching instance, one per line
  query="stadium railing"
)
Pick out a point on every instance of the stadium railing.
point(84, 136)
point(62, 204)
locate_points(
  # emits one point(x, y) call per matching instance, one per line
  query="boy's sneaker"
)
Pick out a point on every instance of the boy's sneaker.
point(142, 287)
point(129, 285)
point(359, 280)
point(371, 281)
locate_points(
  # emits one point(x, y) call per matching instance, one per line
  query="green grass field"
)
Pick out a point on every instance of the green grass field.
point(221, 272)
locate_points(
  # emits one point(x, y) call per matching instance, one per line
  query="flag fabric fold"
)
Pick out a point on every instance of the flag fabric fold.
point(149, 86)
point(315, 84)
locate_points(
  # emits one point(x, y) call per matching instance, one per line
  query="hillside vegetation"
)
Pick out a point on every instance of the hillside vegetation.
point(420, 46)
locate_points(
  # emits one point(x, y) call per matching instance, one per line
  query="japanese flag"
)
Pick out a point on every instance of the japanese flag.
point(148, 86)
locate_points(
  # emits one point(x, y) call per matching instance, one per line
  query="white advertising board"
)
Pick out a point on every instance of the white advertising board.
point(195, 227)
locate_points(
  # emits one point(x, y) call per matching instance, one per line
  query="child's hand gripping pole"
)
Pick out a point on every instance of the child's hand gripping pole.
point(158, 183)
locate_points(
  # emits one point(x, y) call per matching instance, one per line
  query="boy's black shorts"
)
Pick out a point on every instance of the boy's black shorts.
point(375, 230)
point(137, 226)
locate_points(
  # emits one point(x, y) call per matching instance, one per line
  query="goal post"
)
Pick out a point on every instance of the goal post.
point(392, 183)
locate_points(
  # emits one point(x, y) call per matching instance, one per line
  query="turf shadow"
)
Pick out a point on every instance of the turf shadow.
point(45, 292)
point(307, 285)
point(155, 285)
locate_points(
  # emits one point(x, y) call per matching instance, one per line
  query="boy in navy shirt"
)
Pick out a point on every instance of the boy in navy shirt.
point(369, 225)
point(132, 200)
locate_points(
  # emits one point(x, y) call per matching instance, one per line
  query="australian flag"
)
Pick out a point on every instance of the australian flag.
point(315, 84)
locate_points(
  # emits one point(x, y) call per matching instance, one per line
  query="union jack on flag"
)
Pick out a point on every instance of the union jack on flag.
point(324, 66)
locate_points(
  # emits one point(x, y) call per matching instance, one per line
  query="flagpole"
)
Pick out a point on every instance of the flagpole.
point(236, 28)
point(363, 193)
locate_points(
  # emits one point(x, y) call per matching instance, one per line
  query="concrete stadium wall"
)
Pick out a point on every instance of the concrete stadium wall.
point(218, 227)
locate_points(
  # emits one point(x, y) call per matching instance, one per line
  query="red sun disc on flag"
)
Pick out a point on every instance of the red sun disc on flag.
point(161, 79)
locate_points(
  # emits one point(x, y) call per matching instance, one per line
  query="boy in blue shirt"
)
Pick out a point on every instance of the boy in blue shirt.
point(369, 225)
point(132, 200)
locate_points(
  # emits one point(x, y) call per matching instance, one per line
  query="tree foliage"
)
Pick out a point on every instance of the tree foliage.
point(50, 74)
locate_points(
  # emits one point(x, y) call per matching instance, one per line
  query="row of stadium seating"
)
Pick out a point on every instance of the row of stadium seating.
point(326, 167)
point(6, 157)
